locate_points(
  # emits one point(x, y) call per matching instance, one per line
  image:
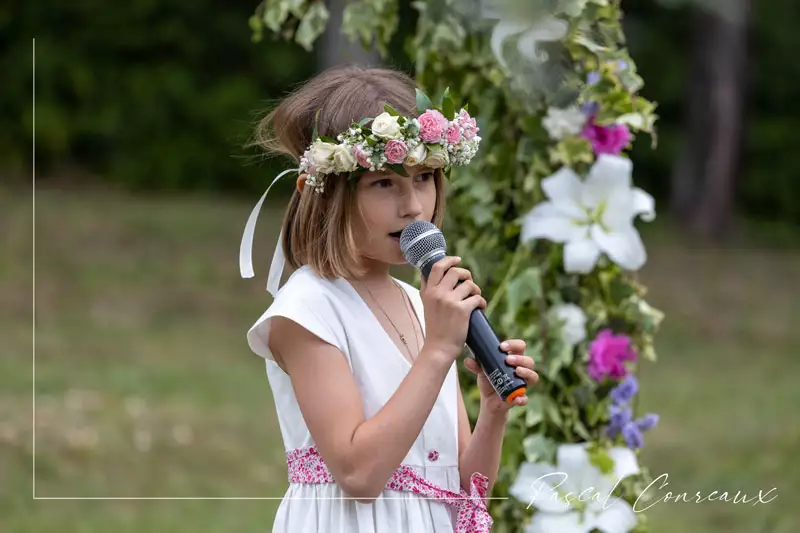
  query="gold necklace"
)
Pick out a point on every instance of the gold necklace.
point(407, 302)
point(402, 337)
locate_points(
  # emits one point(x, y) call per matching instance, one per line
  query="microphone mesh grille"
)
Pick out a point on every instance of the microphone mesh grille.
point(414, 251)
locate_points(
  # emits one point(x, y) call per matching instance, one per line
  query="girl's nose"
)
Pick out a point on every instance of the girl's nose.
point(411, 205)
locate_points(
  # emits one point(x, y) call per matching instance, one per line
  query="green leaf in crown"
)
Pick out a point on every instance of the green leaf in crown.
point(423, 102)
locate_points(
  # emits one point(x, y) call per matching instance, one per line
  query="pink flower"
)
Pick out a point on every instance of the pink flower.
point(395, 151)
point(361, 156)
point(606, 139)
point(308, 168)
point(453, 133)
point(431, 126)
point(607, 356)
point(469, 125)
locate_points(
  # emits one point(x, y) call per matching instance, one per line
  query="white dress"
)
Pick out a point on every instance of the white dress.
point(335, 312)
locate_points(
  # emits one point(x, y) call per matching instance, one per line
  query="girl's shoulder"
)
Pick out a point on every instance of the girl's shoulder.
point(309, 300)
point(303, 282)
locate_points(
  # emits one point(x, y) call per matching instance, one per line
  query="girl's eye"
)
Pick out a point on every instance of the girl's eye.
point(382, 184)
point(425, 177)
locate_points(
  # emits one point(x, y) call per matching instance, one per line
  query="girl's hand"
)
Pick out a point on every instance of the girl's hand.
point(448, 307)
point(490, 400)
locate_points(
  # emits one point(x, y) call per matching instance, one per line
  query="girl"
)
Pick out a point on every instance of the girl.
point(362, 365)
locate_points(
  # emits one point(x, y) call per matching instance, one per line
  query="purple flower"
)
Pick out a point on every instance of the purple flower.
point(626, 390)
point(647, 422)
point(622, 65)
point(608, 354)
point(590, 109)
point(632, 431)
point(593, 78)
point(606, 139)
point(619, 417)
point(633, 436)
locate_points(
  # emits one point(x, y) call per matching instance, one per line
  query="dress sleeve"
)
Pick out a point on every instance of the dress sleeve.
point(312, 308)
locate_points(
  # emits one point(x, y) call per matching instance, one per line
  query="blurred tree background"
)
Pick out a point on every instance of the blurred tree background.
point(161, 95)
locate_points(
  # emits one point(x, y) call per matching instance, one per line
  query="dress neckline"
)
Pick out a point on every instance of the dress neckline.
point(377, 322)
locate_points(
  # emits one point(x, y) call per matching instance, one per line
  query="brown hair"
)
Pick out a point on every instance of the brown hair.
point(317, 228)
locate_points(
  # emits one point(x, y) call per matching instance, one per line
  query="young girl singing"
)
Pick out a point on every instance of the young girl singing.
point(362, 365)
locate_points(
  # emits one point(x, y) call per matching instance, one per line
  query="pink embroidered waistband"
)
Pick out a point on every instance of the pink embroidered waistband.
point(306, 465)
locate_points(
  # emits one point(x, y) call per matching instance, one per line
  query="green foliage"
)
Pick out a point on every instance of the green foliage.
point(299, 20)
point(371, 22)
point(156, 95)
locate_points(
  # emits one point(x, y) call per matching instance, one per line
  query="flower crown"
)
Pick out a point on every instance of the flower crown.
point(390, 141)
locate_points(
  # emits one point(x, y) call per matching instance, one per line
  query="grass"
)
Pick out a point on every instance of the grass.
point(145, 385)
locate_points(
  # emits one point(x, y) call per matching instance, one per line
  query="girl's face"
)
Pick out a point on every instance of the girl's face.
point(386, 203)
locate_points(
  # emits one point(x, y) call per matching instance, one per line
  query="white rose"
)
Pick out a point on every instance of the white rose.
point(437, 158)
point(343, 158)
point(386, 126)
point(573, 322)
point(417, 155)
point(561, 123)
point(321, 156)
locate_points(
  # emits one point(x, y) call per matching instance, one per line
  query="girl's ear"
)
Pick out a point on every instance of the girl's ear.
point(301, 182)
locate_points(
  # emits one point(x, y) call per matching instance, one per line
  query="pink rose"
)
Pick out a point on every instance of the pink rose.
point(606, 139)
point(361, 156)
point(395, 151)
point(469, 124)
point(431, 126)
point(453, 133)
point(607, 356)
point(309, 168)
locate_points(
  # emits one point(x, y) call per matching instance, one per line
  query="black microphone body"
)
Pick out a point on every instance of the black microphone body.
point(484, 344)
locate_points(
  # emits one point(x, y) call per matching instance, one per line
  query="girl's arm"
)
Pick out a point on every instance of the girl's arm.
point(479, 451)
point(361, 453)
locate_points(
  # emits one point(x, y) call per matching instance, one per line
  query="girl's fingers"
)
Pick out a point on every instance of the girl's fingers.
point(527, 374)
point(520, 360)
point(440, 268)
point(516, 346)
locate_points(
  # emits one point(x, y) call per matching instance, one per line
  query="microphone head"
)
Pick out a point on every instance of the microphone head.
point(419, 240)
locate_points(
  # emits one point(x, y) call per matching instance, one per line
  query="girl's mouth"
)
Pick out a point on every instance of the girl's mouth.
point(395, 235)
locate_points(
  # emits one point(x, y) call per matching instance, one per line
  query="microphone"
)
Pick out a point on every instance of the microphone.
point(423, 245)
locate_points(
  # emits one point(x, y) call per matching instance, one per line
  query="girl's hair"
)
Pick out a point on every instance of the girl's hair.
point(317, 227)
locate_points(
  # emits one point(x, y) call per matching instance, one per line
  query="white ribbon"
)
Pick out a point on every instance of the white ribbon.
point(246, 248)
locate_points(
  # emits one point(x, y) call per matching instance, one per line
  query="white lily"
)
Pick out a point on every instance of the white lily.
point(547, 28)
point(573, 322)
point(574, 496)
point(592, 216)
point(573, 8)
